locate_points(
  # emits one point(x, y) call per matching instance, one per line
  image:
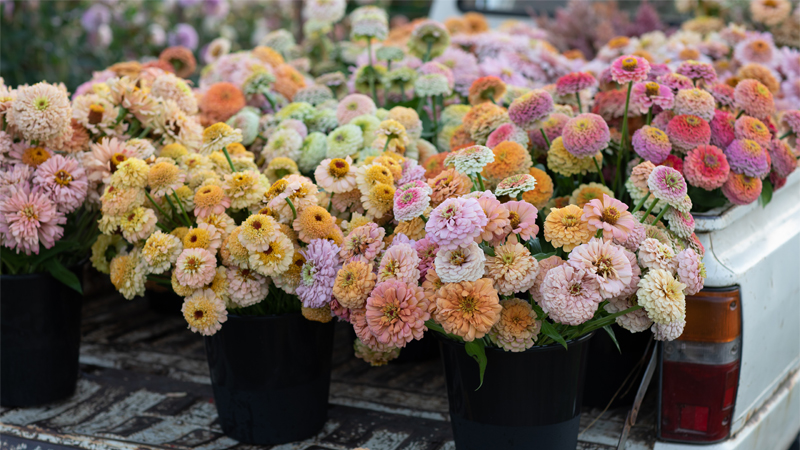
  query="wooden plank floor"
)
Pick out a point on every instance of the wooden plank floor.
point(144, 384)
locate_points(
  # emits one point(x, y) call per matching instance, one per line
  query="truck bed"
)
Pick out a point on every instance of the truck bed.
point(144, 384)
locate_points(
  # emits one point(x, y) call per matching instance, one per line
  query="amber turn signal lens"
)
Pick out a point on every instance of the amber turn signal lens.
point(713, 315)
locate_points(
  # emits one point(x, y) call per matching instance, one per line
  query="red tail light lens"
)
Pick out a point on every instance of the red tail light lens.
point(700, 370)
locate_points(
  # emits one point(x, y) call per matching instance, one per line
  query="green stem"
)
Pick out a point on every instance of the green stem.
point(120, 116)
point(647, 213)
point(291, 205)
point(158, 207)
point(330, 203)
point(624, 142)
point(174, 209)
point(546, 139)
point(480, 181)
point(740, 114)
point(660, 215)
point(228, 157)
point(578, 98)
point(599, 170)
point(435, 120)
point(371, 72)
point(386, 145)
point(402, 92)
point(271, 101)
point(183, 211)
point(428, 51)
point(641, 202)
point(145, 132)
point(649, 116)
point(162, 227)
point(785, 135)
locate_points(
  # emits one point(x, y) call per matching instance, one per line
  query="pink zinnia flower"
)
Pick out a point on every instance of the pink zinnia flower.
point(363, 243)
point(570, 295)
point(635, 237)
point(426, 251)
point(585, 135)
point(747, 127)
point(461, 264)
point(792, 120)
point(754, 98)
point(722, 128)
point(552, 127)
point(456, 222)
point(741, 189)
point(687, 132)
point(648, 94)
point(673, 162)
point(246, 287)
point(522, 219)
point(574, 82)
point(654, 254)
point(681, 223)
point(352, 106)
point(195, 267)
point(656, 70)
point(629, 68)
point(358, 317)
point(607, 262)
point(507, 132)
point(411, 203)
point(401, 263)
point(747, 157)
point(318, 273)
point(690, 271)
point(498, 219)
point(531, 107)
point(544, 266)
point(662, 119)
point(697, 70)
point(636, 273)
point(675, 81)
point(783, 160)
point(64, 180)
point(667, 184)
point(412, 171)
point(668, 331)
point(28, 219)
point(756, 48)
point(695, 102)
point(396, 313)
point(651, 144)
point(706, 167)
point(609, 215)
point(105, 157)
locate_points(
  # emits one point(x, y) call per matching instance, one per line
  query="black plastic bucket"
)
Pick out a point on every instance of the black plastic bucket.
point(40, 337)
point(163, 300)
point(423, 349)
point(529, 400)
point(608, 368)
point(271, 377)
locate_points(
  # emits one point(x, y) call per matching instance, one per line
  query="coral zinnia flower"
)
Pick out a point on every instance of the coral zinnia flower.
point(468, 309)
point(513, 269)
point(486, 89)
point(400, 262)
point(396, 313)
point(210, 200)
point(517, 329)
point(221, 101)
point(522, 219)
point(448, 184)
point(353, 284)
point(363, 243)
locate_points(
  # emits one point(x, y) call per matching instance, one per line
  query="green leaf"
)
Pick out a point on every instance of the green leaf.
point(535, 246)
point(552, 333)
point(64, 275)
point(541, 256)
point(476, 349)
point(61, 246)
point(703, 200)
point(613, 337)
point(766, 193)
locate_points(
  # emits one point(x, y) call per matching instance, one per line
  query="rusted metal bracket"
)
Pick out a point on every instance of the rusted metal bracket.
point(630, 420)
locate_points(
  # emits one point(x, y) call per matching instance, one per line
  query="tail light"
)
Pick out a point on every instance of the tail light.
point(700, 369)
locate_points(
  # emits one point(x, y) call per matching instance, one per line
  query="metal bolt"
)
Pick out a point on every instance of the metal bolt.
point(733, 305)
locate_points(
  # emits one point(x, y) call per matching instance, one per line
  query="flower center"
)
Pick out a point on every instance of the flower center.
point(63, 178)
point(116, 160)
point(458, 258)
point(575, 289)
point(198, 314)
point(569, 220)
point(30, 212)
point(449, 212)
point(192, 264)
point(759, 46)
point(35, 156)
point(710, 161)
point(390, 313)
point(348, 278)
point(338, 168)
point(611, 215)
point(693, 121)
point(307, 273)
point(468, 305)
point(651, 88)
point(515, 219)
point(41, 103)
point(630, 64)
point(96, 114)
point(604, 266)
point(672, 180)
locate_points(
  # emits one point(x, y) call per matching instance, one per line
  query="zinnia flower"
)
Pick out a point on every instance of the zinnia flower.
point(783, 160)
point(691, 271)
point(28, 219)
point(570, 295)
point(574, 82)
point(564, 227)
point(460, 264)
point(41, 112)
point(609, 215)
point(396, 313)
point(696, 70)
point(515, 185)
point(313, 222)
point(607, 262)
point(363, 243)
point(204, 312)
point(195, 267)
point(648, 94)
point(517, 329)
point(256, 232)
point(706, 167)
point(754, 98)
point(318, 273)
point(695, 102)
point(64, 180)
point(401, 263)
point(747, 157)
point(747, 127)
point(667, 184)
point(137, 223)
point(687, 132)
point(468, 309)
point(127, 274)
point(352, 106)
point(336, 175)
point(353, 284)
point(217, 137)
point(681, 223)
point(741, 189)
point(160, 252)
point(379, 200)
point(513, 269)
point(662, 297)
point(486, 89)
point(657, 255)
point(410, 203)
point(531, 107)
point(455, 223)
point(210, 200)
point(246, 287)
point(585, 135)
point(470, 160)
point(629, 68)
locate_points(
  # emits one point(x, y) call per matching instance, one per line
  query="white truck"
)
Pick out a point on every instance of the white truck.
point(731, 381)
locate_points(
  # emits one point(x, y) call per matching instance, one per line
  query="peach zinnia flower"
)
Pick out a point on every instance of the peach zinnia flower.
point(609, 215)
point(563, 227)
point(210, 200)
point(518, 328)
point(607, 262)
point(363, 243)
point(513, 269)
point(396, 313)
point(313, 222)
point(221, 101)
point(522, 219)
point(353, 284)
point(401, 263)
point(468, 309)
point(499, 218)
point(448, 184)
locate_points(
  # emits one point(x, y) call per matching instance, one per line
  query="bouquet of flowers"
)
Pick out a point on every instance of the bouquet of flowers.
point(45, 223)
